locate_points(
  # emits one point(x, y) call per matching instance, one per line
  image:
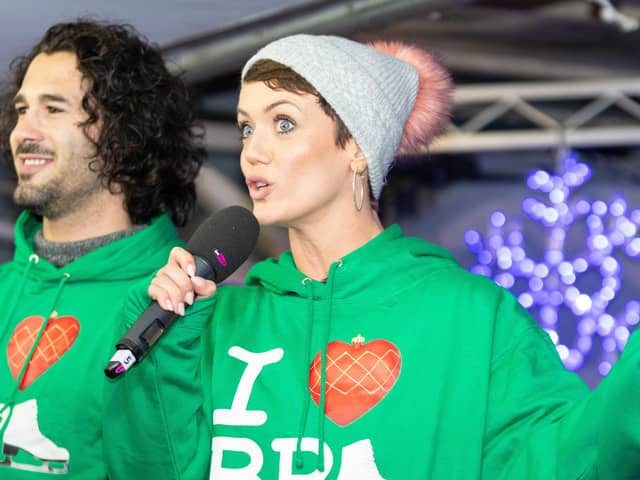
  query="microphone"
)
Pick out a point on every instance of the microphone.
point(219, 246)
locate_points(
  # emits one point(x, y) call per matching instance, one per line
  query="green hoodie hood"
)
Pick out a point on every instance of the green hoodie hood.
point(388, 254)
point(99, 264)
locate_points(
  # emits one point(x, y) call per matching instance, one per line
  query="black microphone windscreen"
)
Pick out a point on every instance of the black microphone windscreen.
point(225, 240)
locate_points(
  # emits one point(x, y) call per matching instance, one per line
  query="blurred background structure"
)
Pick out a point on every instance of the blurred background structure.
point(534, 182)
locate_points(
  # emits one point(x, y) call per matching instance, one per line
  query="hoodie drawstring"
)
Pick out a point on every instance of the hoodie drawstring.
point(33, 259)
point(298, 454)
point(9, 404)
point(306, 400)
point(323, 366)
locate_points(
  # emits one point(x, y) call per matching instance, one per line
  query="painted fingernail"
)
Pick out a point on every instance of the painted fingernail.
point(168, 305)
point(188, 298)
point(181, 308)
point(191, 270)
point(197, 281)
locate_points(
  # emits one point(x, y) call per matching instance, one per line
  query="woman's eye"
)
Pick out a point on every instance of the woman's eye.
point(246, 130)
point(284, 125)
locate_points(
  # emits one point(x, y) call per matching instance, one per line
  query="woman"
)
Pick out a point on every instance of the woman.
point(361, 353)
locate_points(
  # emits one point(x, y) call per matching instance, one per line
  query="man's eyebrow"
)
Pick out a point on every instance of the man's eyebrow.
point(45, 97)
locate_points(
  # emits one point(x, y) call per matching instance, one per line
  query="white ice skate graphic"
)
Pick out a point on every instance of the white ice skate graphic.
point(358, 462)
point(23, 433)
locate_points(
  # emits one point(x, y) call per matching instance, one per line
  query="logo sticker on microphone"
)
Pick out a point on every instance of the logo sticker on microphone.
point(220, 258)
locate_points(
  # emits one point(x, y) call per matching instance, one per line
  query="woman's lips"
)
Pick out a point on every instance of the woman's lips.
point(259, 188)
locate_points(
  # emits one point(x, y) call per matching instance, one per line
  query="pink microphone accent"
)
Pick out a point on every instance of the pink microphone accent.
point(220, 258)
point(432, 107)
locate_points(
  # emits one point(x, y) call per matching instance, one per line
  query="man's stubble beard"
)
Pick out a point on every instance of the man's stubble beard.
point(55, 199)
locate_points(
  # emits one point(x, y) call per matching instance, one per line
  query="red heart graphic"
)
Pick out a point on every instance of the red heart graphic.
point(57, 338)
point(358, 377)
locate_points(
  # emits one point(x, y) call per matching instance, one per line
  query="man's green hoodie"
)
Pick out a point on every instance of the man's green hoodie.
point(401, 365)
point(51, 411)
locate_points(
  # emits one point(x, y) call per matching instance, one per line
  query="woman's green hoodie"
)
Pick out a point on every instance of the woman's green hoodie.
point(51, 420)
point(430, 372)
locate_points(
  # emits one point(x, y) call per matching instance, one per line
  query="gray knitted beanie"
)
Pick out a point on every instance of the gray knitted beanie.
point(372, 92)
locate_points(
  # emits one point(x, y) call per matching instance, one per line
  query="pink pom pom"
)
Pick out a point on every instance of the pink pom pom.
point(432, 108)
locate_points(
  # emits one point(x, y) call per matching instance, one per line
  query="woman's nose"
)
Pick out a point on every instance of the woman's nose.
point(255, 149)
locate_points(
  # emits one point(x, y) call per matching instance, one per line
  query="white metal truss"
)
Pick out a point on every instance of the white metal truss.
point(578, 114)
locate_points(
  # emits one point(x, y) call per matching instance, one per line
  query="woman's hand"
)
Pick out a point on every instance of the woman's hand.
point(176, 284)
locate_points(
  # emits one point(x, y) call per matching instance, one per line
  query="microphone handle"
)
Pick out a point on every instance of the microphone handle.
point(146, 331)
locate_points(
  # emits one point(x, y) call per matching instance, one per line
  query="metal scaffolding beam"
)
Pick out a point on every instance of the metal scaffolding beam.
point(225, 51)
point(595, 113)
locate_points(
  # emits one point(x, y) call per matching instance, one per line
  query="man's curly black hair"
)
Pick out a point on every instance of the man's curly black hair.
point(147, 146)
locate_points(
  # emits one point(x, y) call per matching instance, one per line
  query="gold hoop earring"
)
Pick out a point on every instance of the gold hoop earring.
point(355, 196)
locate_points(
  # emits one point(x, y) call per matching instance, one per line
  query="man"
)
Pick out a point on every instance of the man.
point(102, 141)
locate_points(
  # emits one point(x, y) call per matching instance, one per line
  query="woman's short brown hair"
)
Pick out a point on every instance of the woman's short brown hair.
point(280, 77)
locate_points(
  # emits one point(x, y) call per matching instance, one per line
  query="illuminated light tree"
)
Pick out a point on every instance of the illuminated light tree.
point(552, 284)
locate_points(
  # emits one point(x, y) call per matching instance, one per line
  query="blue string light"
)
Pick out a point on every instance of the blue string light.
point(552, 282)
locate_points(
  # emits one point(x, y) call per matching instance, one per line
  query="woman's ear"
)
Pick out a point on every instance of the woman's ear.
point(358, 163)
